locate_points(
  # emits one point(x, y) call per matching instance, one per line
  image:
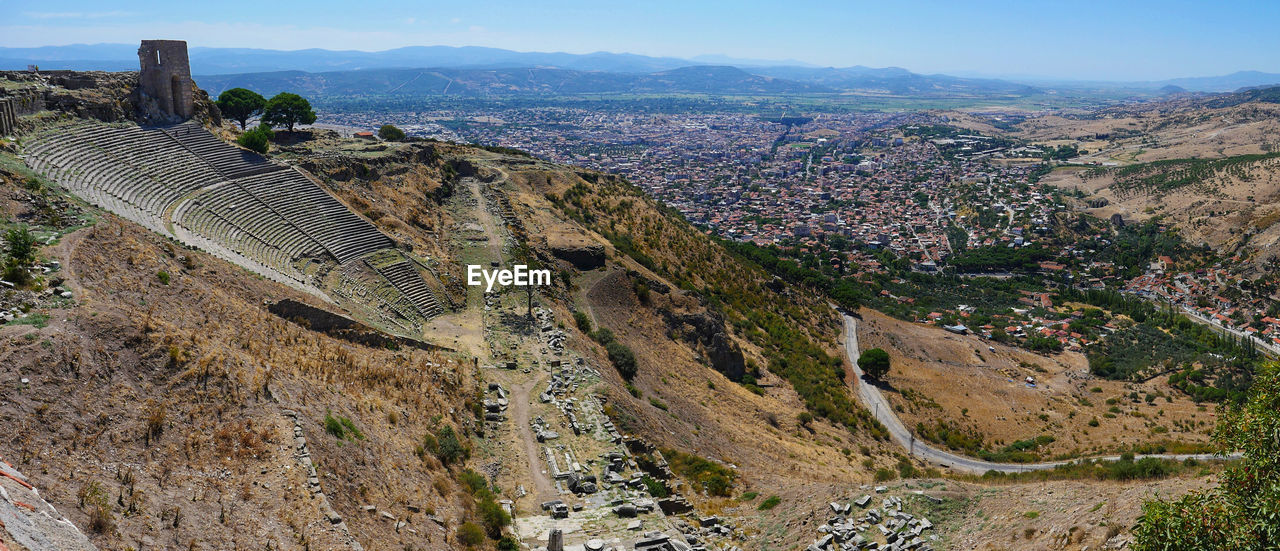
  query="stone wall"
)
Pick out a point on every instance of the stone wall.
point(16, 103)
point(342, 327)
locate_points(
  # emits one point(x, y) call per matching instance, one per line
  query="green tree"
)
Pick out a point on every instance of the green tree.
point(21, 245)
point(239, 104)
point(287, 110)
point(390, 133)
point(258, 139)
point(875, 363)
point(1243, 511)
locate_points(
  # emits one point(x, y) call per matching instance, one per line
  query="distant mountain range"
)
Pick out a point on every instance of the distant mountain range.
point(701, 79)
point(473, 70)
point(212, 61)
point(697, 79)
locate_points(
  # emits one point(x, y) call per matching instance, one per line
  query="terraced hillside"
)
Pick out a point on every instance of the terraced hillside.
point(185, 183)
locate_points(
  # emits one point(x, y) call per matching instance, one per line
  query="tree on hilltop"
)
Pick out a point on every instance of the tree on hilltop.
point(239, 104)
point(875, 363)
point(286, 109)
point(390, 133)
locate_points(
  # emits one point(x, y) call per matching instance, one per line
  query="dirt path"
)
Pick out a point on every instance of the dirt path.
point(466, 327)
point(491, 227)
point(543, 489)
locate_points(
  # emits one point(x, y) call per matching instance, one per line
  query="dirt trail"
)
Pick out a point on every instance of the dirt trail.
point(543, 489)
point(486, 220)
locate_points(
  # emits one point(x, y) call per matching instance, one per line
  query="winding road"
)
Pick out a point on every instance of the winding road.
point(874, 401)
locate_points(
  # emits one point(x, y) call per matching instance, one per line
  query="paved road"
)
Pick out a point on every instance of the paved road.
point(1266, 347)
point(879, 406)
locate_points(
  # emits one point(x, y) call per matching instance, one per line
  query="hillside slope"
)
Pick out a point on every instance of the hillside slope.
point(173, 397)
point(1204, 164)
point(158, 402)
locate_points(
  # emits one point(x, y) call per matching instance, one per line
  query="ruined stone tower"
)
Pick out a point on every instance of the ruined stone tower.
point(165, 77)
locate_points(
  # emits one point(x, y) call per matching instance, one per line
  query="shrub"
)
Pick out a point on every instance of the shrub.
point(470, 534)
point(258, 139)
point(473, 481)
point(155, 420)
point(655, 487)
point(20, 245)
point(163, 276)
point(642, 292)
point(101, 520)
point(603, 335)
point(805, 419)
point(1093, 422)
point(93, 497)
point(449, 449)
point(884, 475)
point(622, 358)
point(15, 272)
point(508, 543)
point(906, 469)
point(769, 503)
point(333, 426)
point(748, 496)
point(493, 516)
point(341, 428)
point(583, 321)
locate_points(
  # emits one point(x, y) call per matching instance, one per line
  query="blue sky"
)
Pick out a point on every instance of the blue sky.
point(1117, 40)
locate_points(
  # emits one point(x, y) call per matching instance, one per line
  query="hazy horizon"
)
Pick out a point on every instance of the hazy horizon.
point(1138, 41)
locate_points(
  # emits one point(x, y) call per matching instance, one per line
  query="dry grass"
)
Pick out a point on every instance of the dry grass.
point(940, 376)
point(189, 379)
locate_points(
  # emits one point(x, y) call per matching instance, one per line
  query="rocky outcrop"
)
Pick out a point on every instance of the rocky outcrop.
point(576, 248)
point(101, 95)
point(29, 523)
point(706, 329)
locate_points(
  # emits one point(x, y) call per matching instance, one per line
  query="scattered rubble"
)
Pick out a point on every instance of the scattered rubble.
point(886, 527)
